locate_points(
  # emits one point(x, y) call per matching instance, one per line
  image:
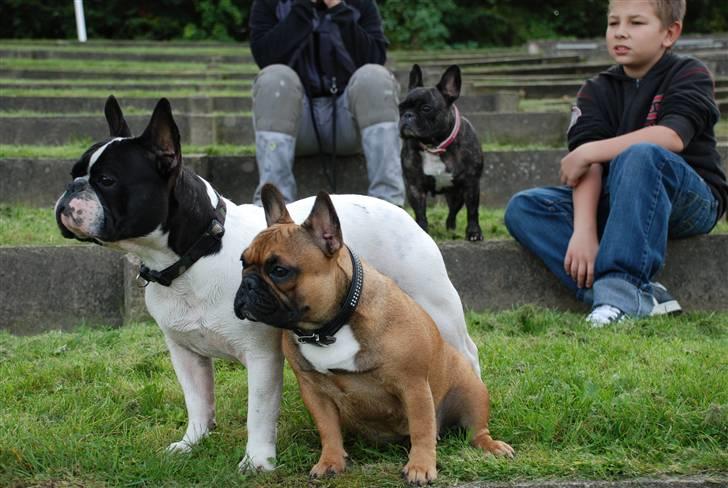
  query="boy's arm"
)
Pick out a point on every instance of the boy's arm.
point(575, 165)
point(584, 243)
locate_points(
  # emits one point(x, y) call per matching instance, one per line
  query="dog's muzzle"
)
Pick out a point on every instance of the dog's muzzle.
point(255, 301)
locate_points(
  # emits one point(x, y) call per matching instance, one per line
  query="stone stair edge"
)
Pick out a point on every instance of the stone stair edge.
point(488, 276)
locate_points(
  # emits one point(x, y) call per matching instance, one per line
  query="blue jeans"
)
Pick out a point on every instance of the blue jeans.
point(648, 195)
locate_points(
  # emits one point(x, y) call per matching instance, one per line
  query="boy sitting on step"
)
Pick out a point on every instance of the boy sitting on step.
point(642, 167)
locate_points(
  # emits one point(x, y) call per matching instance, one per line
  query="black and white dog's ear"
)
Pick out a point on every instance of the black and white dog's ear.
point(415, 77)
point(323, 225)
point(450, 84)
point(274, 205)
point(162, 137)
point(115, 118)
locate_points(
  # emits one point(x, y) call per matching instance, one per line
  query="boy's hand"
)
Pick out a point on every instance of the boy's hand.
point(575, 165)
point(580, 257)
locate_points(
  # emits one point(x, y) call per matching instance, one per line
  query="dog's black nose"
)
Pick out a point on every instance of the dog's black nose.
point(408, 116)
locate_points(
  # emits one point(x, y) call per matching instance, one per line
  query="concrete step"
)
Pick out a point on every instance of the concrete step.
point(589, 47)
point(205, 104)
point(160, 85)
point(61, 287)
point(39, 182)
point(199, 129)
point(120, 55)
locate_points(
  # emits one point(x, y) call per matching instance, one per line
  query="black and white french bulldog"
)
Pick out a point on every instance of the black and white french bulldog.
point(134, 194)
point(440, 150)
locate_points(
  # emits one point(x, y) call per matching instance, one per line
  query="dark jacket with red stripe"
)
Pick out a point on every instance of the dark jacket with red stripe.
point(678, 92)
point(318, 43)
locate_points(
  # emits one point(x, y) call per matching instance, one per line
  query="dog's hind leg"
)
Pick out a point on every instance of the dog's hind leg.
point(472, 202)
point(475, 414)
point(195, 375)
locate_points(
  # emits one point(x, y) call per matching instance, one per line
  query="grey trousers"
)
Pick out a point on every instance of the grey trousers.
point(367, 119)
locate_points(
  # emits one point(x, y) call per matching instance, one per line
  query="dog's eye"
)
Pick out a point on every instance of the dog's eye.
point(106, 181)
point(242, 261)
point(426, 108)
point(279, 272)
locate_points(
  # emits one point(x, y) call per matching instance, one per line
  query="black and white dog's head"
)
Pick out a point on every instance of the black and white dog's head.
point(121, 186)
point(425, 113)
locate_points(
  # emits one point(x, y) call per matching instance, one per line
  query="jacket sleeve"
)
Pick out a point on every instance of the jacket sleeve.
point(361, 31)
point(590, 119)
point(273, 42)
point(689, 106)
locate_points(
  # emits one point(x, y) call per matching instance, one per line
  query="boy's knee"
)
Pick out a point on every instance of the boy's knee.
point(638, 159)
point(515, 213)
point(373, 95)
point(277, 99)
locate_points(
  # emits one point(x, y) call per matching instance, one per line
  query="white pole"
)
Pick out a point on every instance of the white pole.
point(80, 20)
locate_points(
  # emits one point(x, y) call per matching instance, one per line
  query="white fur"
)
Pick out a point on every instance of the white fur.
point(197, 317)
point(339, 355)
point(97, 153)
point(432, 165)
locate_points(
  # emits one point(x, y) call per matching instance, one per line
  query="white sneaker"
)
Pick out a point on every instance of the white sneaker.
point(604, 315)
point(664, 303)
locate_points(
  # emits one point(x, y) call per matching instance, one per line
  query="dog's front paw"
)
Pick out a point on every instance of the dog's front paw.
point(181, 447)
point(253, 464)
point(419, 473)
point(329, 465)
point(475, 235)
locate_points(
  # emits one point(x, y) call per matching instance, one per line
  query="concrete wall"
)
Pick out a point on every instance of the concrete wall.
point(47, 288)
point(507, 127)
point(39, 182)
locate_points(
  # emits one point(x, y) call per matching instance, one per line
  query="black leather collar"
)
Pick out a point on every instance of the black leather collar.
point(325, 335)
point(201, 247)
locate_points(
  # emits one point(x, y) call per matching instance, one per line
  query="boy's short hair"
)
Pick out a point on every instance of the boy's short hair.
point(668, 11)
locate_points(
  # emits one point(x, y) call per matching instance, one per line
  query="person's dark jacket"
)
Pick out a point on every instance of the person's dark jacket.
point(678, 92)
point(320, 44)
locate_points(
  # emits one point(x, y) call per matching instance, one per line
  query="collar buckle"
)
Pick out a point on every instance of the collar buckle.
point(316, 340)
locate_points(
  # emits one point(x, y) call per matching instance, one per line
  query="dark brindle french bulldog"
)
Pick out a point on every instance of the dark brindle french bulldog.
point(440, 150)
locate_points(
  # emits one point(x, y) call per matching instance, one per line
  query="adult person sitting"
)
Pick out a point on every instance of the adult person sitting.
point(323, 89)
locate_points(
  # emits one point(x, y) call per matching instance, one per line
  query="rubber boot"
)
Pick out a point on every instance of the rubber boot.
point(381, 146)
point(274, 154)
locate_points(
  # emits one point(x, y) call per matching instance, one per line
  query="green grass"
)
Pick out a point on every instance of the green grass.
point(98, 407)
point(23, 226)
point(74, 150)
point(130, 110)
point(99, 81)
point(192, 50)
point(162, 91)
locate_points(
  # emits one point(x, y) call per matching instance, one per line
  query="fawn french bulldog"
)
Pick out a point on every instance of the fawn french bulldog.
point(366, 356)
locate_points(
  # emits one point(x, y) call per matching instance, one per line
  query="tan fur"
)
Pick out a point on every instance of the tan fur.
point(410, 382)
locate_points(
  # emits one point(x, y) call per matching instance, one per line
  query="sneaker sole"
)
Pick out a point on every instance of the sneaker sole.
point(667, 308)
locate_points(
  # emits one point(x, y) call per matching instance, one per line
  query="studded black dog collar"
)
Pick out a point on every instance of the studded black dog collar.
point(325, 335)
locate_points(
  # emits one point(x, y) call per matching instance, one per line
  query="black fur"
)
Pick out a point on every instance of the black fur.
point(141, 183)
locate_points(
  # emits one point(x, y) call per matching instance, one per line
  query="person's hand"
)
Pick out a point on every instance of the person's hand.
point(328, 3)
point(580, 257)
point(575, 165)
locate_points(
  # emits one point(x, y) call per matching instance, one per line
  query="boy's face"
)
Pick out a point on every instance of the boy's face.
point(636, 38)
